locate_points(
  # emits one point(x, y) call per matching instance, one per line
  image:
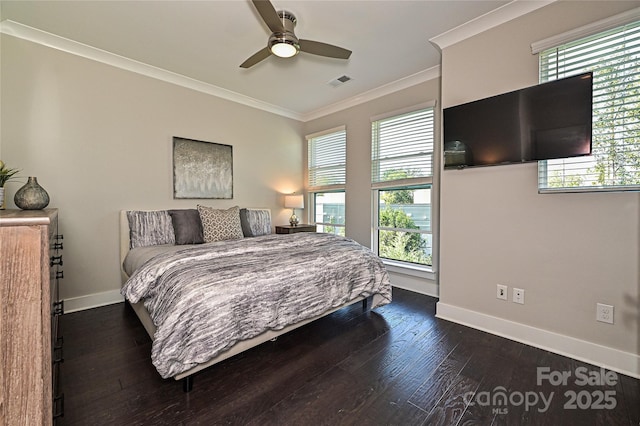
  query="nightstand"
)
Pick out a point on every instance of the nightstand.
point(288, 229)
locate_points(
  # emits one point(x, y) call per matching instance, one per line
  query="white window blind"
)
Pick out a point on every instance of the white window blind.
point(614, 58)
point(402, 146)
point(327, 159)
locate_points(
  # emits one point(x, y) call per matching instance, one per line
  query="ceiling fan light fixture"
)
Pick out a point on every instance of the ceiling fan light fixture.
point(284, 45)
point(283, 41)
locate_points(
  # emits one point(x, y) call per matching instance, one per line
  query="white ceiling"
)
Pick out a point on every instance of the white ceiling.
point(202, 43)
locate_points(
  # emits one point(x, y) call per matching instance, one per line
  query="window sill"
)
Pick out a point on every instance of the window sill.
point(413, 270)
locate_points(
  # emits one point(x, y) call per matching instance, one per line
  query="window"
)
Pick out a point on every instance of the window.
point(614, 58)
point(328, 212)
point(327, 178)
point(402, 170)
point(404, 224)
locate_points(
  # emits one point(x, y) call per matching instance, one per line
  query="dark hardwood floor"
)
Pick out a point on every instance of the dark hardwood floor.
point(396, 365)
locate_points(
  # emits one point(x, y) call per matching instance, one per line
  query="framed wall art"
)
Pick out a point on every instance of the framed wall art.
point(202, 169)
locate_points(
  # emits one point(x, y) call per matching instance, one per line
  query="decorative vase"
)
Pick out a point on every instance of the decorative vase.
point(31, 196)
point(1, 197)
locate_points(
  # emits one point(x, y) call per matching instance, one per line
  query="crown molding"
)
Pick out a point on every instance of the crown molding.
point(506, 13)
point(403, 83)
point(25, 32)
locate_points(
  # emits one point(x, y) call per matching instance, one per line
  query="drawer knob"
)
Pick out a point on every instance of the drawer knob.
point(59, 342)
point(58, 359)
point(58, 402)
point(58, 308)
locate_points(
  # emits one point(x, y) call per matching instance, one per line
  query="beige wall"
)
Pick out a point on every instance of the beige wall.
point(568, 251)
point(99, 140)
point(358, 204)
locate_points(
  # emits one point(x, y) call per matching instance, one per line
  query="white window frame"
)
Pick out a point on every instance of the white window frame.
point(409, 268)
point(312, 190)
point(312, 203)
point(550, 44)
point(405, 267)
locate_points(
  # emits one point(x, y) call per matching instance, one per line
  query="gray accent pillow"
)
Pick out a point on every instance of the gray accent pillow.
point(255, 222)
point(187, 226)
point(220, 225)
point(150, 228)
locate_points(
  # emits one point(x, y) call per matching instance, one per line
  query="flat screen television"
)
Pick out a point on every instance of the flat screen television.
point(550, 120)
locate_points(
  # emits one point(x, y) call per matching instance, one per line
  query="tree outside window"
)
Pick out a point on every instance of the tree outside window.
point(614, 58)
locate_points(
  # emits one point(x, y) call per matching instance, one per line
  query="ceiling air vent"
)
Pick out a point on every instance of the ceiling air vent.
point(340, 81)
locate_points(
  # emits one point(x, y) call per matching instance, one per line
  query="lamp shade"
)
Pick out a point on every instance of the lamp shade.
point(294, 201)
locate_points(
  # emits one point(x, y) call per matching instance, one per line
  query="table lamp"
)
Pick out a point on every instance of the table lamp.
point(294, 202)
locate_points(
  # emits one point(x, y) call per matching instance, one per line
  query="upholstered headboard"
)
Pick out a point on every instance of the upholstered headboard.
point(124, 242)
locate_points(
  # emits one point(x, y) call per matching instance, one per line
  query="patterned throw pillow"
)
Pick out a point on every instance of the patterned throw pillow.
point(150, 228)
point(219, 225)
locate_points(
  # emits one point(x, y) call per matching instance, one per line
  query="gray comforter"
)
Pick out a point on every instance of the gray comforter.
point(205, 298)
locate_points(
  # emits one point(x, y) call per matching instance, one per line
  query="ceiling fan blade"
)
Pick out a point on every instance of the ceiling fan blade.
point(256, 57)
point(324, 49)
point(269, 15)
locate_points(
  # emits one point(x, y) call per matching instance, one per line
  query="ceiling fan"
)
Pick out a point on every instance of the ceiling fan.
point(283, 41)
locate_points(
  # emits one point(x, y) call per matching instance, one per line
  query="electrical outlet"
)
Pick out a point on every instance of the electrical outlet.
point(502, 292)
point(518, 295)
point(604, 313)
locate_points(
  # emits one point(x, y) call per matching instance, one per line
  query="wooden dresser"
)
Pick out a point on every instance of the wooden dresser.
point(30, 269)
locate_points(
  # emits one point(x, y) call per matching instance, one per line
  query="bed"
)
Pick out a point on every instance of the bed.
point(209, 283)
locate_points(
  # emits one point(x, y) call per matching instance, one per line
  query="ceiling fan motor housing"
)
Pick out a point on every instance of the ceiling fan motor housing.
point(288, 19)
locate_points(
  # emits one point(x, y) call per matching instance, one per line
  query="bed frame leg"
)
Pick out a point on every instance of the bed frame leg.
point(187, 384)
point(366, 303)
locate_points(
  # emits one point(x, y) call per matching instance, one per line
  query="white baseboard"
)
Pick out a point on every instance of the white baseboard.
point(96, 300)
point(428, 289)
point(613, 359)
point(89, 301)
point(414, 284)
point(592, 353)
